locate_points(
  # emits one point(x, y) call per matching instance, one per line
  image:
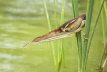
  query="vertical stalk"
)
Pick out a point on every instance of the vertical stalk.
point(86, 44)
point(101, 64)
point(98, 15)
point(61, 57)
point(55, 12)
point(78, 35)
point(87, 31)
point(48, 20)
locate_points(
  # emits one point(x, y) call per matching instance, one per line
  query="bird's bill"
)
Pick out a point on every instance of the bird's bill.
point(28, 44)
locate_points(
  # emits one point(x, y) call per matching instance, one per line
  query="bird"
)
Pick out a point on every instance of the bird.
point(65, 30)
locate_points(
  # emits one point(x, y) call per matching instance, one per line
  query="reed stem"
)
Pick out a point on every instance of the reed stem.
point(61, 57)
point(78, 35)
point(48, 20)
point(87, 31)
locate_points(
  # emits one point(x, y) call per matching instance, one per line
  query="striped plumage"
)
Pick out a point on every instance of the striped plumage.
point(65, 30)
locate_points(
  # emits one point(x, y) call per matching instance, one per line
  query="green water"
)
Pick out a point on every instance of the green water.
point(23, 20)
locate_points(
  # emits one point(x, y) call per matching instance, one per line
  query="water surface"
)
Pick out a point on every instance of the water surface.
point(23, 20)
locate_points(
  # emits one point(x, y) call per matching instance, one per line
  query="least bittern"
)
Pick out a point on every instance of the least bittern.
point(65, 30)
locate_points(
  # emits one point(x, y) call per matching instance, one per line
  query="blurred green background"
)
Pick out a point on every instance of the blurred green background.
point(23, 20)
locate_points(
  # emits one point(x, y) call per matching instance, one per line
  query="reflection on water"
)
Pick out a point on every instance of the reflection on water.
point(5, 59)
point(5, 67)
point(10, 57)
point(19, 18)
point(23, 20)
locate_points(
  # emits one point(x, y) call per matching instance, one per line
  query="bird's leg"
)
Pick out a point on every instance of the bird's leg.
point(84, 36)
